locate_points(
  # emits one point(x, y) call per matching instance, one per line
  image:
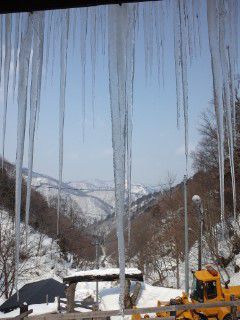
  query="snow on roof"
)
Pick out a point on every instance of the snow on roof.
point(103, 274)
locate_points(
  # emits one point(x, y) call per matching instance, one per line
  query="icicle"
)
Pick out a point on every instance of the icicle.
point(180, 56)
point(183, 37)
point(130, 56)
point(56, 23)
point(1, 46)
point(177, 59)
point(48, 38)
point(7, 60)
point(213, 35)
point(74, 26)
point(63, 75)
point(93, 57)
point(159, 19)
point(190, 28)
point(150, 37)
point(83, 45)
point(16, 43)
point(24, 57)
point(35, 93)
point(120, 59)
point(147, 43)
point(227, 93)
point(199, 14)
point(162, 36)
point(194, 25)
point(103, 14)
point(221, 29)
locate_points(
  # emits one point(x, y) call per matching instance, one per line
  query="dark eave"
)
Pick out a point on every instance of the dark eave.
point(94, 278)
point(10, 6)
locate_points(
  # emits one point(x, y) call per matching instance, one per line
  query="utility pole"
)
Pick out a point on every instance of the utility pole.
point(198, 203)
point(186, 237)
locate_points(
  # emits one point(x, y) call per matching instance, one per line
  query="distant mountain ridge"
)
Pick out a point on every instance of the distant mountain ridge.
point(95, 198)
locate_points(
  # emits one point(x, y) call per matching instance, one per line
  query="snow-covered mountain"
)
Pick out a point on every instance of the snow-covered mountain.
point(95, 198)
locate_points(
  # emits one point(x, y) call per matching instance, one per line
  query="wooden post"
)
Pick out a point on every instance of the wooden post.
point(23, 315)
point(70, 295)
point(130, 300)
point(127, 299)
point(23, 308)
point(58, 305)
point(233, 308)
point(135, 294)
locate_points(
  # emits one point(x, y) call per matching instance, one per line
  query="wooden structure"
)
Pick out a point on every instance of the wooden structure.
point(104, 275)
point(233, 304)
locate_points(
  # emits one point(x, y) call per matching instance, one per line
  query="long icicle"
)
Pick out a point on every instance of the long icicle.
point(213, 35)
point(130, 56)
point(83, 52)
point(63, 75)
point(119, 20)
point(35, 93)
point(7, 60)
point(225, 46)
point(93, 57)
point(1, 46)
point(24, 58)
point(183, 50)
point(16, 44)
point(178, 66)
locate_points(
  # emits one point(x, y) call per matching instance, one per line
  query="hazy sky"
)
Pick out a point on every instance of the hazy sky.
point(158, 146)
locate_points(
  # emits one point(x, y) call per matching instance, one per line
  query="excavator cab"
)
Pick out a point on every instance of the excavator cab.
point(202, 291)
point(197, 292)
point(206, 285)
point(206, 289)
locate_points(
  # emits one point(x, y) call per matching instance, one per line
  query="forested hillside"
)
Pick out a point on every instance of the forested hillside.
point(157, 235)
point(73, 238)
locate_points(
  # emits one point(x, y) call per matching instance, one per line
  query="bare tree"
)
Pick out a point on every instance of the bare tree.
point(205, 157)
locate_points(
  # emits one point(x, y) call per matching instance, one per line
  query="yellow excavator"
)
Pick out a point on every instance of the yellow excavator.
point(206, 288)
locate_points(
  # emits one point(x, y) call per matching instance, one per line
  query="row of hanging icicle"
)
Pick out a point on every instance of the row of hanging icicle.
point(26, 40)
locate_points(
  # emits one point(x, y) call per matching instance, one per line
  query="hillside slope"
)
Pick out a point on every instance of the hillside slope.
point(95, 199)
point(72, 238)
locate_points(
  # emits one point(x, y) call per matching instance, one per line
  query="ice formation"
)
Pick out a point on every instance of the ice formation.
point(62, 100)
point(83, 52)
point(121, 28)
point(24, 58)
point(7, 60)
point(35, 93)
point(93, 41)
point(16, 43)
point(221, 26)
point(23, 36)
point(181, 41)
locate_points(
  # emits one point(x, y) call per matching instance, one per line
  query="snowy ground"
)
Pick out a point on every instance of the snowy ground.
point(109, 297)
point(45, 261)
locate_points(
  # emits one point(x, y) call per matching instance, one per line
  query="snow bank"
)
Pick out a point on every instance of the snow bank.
point(37, 310)
point(109, 297)
point(105, 272)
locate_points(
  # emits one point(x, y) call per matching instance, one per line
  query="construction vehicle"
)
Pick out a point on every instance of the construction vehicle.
point(206, 288)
